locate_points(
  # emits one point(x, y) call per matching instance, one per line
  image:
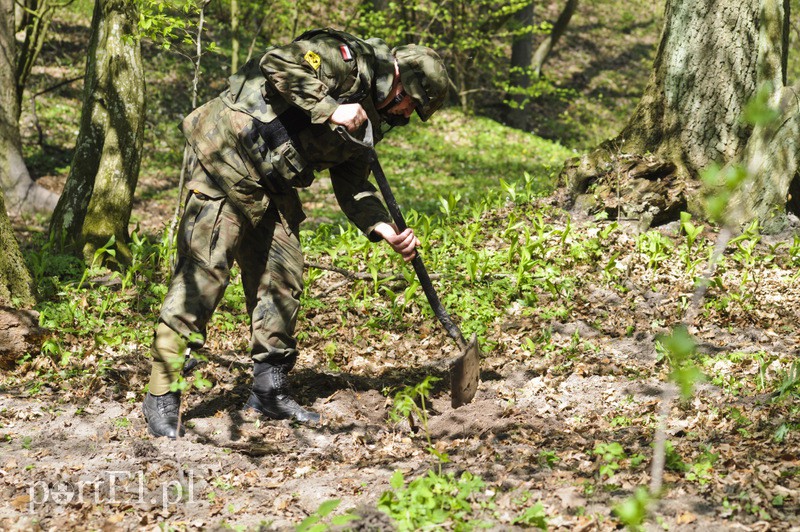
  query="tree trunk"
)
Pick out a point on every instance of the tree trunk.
point(19, 16)
point(98, 195)
point(521, 53)
point(234, 36)
point(547, 45)
point(21, 192)
point(36, 27)
point(712, 59)
point(16, 284)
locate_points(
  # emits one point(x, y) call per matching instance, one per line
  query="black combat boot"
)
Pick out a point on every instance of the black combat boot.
point(270, 396)
point(161, 413)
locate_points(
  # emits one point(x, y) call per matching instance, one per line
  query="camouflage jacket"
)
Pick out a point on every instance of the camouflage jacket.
point(268, 133)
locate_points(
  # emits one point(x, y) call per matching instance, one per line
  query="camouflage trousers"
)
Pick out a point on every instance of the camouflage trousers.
point(212, 234)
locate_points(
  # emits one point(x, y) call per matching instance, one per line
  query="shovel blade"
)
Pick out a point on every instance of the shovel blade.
point(465, 374)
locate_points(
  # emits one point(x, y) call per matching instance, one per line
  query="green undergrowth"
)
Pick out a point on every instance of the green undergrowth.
point(504, 257)
point(510, 268)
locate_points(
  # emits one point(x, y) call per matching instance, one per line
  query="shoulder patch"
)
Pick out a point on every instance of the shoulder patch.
point(347, 55)
point(313, 59)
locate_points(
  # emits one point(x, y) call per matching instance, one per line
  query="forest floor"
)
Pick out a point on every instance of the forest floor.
point(565, 415)
point(561, 430)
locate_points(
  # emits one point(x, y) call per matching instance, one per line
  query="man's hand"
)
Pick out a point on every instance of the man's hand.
point(349, 115)
point(404, 243)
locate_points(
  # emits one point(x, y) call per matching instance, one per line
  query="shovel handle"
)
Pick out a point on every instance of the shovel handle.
point(394, 210)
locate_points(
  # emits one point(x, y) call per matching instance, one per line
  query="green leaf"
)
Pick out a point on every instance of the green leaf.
point(397, 480)
point(679, 344)
point(686, 378)
point(327, 507)
point(200, 382)
point(633, 511)
point(341, 520)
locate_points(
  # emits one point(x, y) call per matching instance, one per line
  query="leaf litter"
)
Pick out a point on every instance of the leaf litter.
point(76, 454)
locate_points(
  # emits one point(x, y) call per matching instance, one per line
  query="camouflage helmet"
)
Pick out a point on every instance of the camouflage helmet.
point(424, 77)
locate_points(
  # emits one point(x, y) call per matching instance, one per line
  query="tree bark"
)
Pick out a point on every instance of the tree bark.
point(16, 284)
point(547, 45)
point(521, 53)
point(98, 195)
point(234, 36)
point(22, 193)
point(712, 59)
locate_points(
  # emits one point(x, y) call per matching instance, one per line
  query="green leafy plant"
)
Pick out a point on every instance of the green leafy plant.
point(317, 522)
point(610, 455)
point(122, 423)
point(432, 501)
point(411, 401)
point(789, 381)
point(672, 459)
point(679, 349)
point(701, 469)
point(437, 497)
point(633, 511)
point(548, 458)
point(655, 246)
point(534, 516)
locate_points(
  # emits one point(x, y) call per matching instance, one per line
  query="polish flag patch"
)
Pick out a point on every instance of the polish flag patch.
point(347, 55)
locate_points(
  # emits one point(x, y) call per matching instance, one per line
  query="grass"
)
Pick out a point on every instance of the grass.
point(453, 154)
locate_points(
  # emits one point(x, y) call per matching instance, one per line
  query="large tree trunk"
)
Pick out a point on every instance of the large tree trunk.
point(98, 195)
point(21, 192)
point(712, 59)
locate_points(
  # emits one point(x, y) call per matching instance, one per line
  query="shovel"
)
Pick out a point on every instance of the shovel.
point(464, 369)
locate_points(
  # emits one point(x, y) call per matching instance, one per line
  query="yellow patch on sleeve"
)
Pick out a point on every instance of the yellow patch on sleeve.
point(313, 59)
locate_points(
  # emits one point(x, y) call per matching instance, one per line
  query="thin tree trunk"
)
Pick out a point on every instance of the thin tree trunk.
point(35, 33)
point(19, 16)
point(255, 38)
point(234, 36)
point(546, 46)
point(21, 192)
point(97, 199)
point(187, 165)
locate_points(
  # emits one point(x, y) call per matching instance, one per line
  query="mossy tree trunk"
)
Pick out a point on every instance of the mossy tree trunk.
point(16, 284)
point(712, 59)
point(98, 195)
point(21, 192)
